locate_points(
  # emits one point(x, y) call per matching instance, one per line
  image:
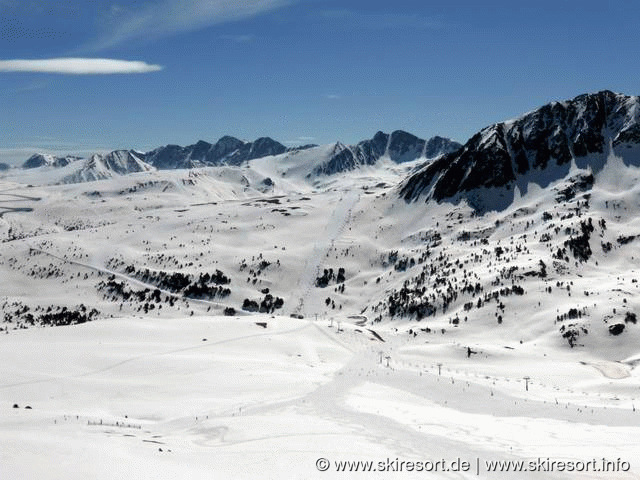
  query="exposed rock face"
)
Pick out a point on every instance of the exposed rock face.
point(399, 146)
point(44, 160)
point(375, 148)
point(342, 159)
point(170, 156)
point(262, 147)
point(582, 129)
point(226, 151)
point(436, 146)
point(36, 160)
point(404, 147)
point(223, 148)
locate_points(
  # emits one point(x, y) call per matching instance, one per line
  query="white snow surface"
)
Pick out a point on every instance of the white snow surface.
point(184, 391)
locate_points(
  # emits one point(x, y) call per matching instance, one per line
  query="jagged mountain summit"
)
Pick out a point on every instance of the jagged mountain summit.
point(46, 160)
point(226, 151)
point(118, 162)
point(399, 146)
point(539, 147)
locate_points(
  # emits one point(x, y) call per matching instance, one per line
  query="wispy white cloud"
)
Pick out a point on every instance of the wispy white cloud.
point(77, 66)
point(168, 17)
point(332, 96)
point(382, 20)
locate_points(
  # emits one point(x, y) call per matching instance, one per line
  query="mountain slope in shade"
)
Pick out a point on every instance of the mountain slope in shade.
point(539, 147)
point(46, 160)
point(118, 162)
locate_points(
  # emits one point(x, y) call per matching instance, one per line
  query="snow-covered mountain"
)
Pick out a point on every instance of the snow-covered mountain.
point(118, 162)
point(46, 160)
point(539, 147)
point(226, 151)
point(399, 146)
point(297, 303)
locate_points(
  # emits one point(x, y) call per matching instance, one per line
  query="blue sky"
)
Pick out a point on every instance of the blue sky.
point(300, 71)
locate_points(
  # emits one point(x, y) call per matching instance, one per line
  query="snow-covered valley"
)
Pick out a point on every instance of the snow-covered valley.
point(246, 321)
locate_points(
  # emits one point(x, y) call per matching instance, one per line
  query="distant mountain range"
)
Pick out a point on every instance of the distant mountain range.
point(399, 146)
point(539, 147)
point(226, 151)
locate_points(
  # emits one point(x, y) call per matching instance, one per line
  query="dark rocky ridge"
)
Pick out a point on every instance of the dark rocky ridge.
point(226, 151)
point(538, 146)
point(41, 160)
point(400, 146)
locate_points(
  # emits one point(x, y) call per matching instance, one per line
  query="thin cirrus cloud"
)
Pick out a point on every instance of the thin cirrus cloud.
point(169, 17)
point(78, 66)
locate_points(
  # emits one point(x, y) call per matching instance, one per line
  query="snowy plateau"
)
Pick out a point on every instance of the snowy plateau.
point(401, 307)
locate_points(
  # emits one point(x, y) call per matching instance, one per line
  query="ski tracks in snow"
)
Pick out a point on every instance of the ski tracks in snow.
point(335, 228)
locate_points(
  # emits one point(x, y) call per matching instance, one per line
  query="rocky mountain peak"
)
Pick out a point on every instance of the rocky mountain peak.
point(538, 147)
point(399, 146)
point(46, 160)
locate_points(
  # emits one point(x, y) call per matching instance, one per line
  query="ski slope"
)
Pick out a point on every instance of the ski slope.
point(217, 397)
point(181, 390)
